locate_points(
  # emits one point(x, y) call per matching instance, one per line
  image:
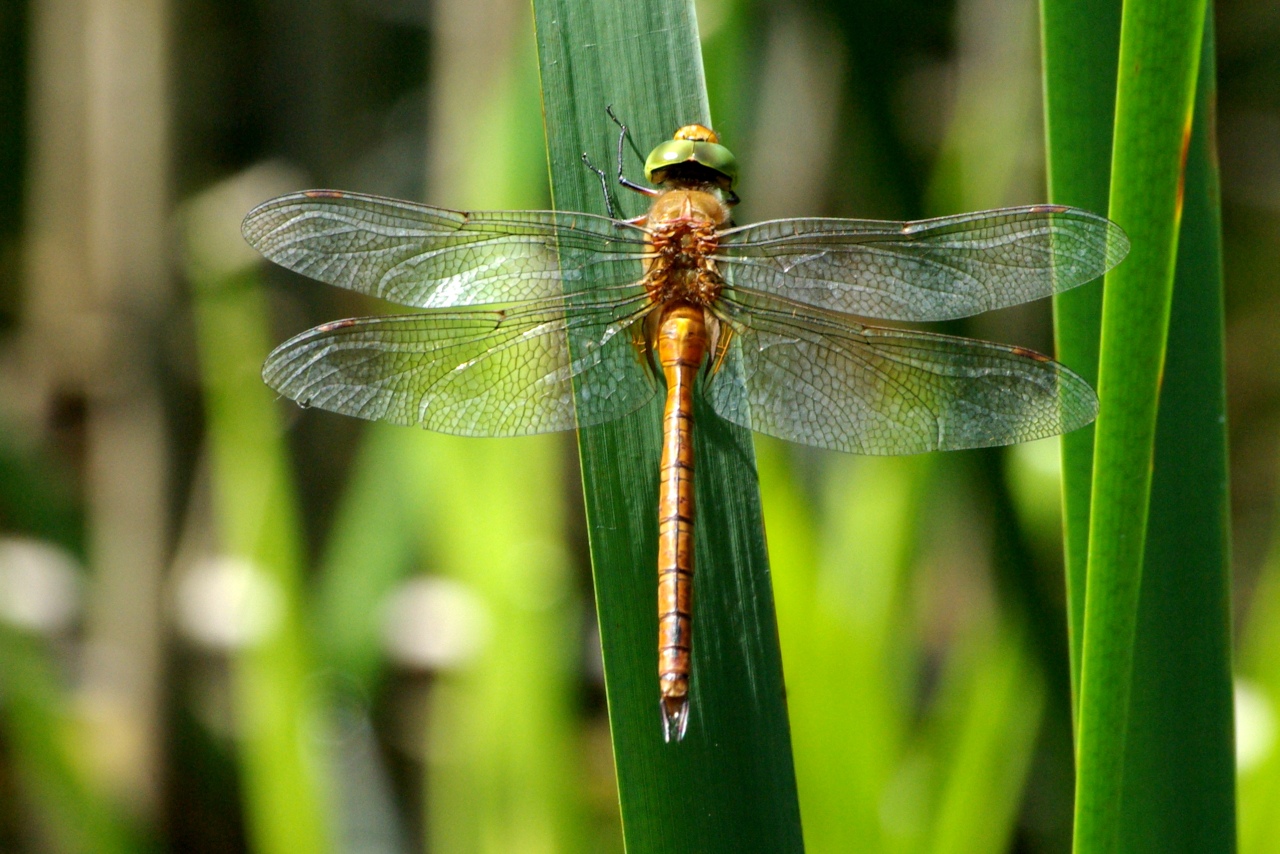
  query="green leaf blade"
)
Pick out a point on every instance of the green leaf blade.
point(1080, 42)
point(729, 785)
point(1179, 790)
point(1159, 57)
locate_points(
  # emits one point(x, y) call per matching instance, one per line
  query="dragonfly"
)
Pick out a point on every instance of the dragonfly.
point(537, 321)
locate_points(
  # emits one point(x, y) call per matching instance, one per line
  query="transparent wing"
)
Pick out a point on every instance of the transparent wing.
point(824, 380)
point(429, 257)
point(490, 371)
point(935, 269)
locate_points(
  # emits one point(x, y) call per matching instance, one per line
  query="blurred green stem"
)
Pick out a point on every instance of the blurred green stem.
point(993, 721)
point(283, 774)
point(1260, 663)
point(43, 741)
point(842, 601)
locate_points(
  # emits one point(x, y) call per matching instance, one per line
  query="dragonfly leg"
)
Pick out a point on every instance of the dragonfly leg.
point(623, 133)
point(720, 347)
point(609, 205)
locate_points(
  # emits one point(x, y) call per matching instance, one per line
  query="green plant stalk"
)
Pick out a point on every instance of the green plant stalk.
point(1080, 40)
point(989, 740)
point(282, 775)
point(41, 740)
point(500, 759)
point(842, 593)
point(1159, 57)
point(1179, 791)
point(1260, 664)
point(730, 785)
point(371, 547)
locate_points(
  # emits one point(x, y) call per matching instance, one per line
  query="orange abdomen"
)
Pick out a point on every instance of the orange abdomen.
point(681, 346)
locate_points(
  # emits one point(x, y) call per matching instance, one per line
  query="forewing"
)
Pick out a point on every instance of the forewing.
point(934, 269)
point(471, 371)
point(824, 380)
point(429, 257)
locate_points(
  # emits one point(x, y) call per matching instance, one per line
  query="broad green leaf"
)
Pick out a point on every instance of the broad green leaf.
point(729, 785)
point(1179, 765)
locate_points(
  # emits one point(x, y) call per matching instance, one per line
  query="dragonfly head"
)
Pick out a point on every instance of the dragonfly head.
point(693, 156)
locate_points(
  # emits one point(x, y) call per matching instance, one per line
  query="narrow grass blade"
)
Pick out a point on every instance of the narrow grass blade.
point(1179, 771)
point(259, 526)
point(1159, 57)
point(730, 784)
point(1079, 43)
point(500, 757)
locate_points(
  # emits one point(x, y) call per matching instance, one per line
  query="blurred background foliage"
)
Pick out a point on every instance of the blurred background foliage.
point(228, 624)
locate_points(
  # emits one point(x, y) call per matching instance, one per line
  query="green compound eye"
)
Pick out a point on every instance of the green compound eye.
point(676, 151)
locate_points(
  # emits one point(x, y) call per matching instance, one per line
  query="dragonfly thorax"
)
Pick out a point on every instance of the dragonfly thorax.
point(683, 228)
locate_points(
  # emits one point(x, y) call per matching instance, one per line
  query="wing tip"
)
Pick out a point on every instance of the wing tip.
point(251, 228)
point(1118, 245)
point(1115, 241)
point(1077, 401)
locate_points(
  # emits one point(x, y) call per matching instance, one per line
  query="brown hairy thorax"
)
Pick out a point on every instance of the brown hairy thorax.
point(683, 225)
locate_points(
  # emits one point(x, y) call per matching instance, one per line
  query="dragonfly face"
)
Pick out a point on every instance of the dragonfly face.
point(693, 145)
point(761, 320)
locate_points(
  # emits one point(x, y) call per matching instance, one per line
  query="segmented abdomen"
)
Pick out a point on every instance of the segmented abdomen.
point(681, 346)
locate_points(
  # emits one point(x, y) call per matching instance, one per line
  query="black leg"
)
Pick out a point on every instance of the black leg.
point(622, 138)
point(604, 187)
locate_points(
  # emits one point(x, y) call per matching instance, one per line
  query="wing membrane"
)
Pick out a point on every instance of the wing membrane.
point(428, 257)
point(824, 380)
point(489, 371)
point(935, 269)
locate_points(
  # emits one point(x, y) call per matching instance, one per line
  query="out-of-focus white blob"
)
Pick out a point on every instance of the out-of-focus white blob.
point(1255, 725)
point(226, 603)
point(432, 623)
point(210, 220)
point(39, 586)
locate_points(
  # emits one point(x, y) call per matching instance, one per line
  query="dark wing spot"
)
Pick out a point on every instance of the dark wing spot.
point(324, 194)
point(1031, 354)
point(337, 324)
